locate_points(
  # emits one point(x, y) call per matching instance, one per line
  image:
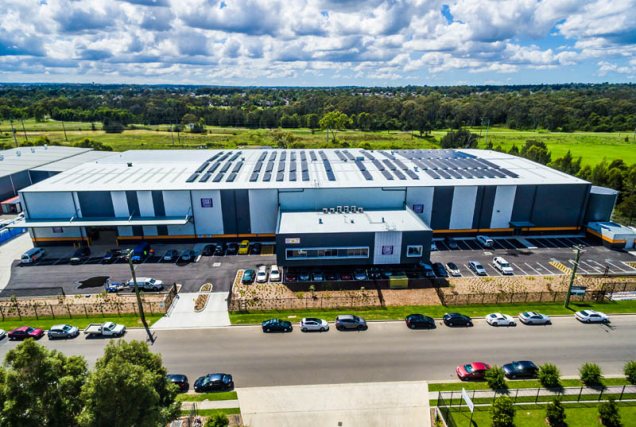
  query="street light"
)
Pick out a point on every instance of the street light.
point(578, 249)
point(151, 338)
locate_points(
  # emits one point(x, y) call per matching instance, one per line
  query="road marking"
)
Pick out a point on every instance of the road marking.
point(580, 268)
point(531, 268)
point(592, 266)
point(519, 268)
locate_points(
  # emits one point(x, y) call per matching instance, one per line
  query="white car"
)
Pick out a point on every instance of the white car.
point(3, 333)
point(453, 269)
point(502, 265)
point(498, 319)
point(146, 284)
point(533, 318)
point(591, 316)
point(313, 324)
point(261, 274)
point(274, 273)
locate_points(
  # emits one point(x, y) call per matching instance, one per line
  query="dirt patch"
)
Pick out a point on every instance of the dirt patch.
point(401, 297)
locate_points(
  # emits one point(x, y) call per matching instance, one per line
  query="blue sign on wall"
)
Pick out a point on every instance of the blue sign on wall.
point(418, 209)
point(387, 250)
point(206, 202)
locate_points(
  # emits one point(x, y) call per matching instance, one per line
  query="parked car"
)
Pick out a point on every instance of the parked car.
point(485, 241)
point(63, 331)
point(591, 316)
point(304, 276)
point(502, 265)
point(428, 270)
point(244, 247)
point(24, 332)
point(214, 382)
point(81, 254)
point(140, 252)
point(3, 334)
point(317, 276)
point(349, 321)
point(533, 318)
point(187, 255)
point(457, 319)
point(276, 325)
point(219, 250)
point(419, 321)
point(146, 284)
point(32, 256)
point(313, 324)
point(106, 329)
point(208, 250)
point(274, 273)
point(232, 248)
point(477, 268)
point(375, 274)
point(113, 255)
point(472, 371)
point(453, 269)
point(291, 278)
point(180, 380)
point(248, 277)
point(440, 270)
point(498, 319)
point(451, 243)
point(521, 369)
point(261, 274)
point(170, 255)
point(433, 246)
point(113, 286)
point(331, 276)
point(346, 276)
point(360, 275)
point(256, 248)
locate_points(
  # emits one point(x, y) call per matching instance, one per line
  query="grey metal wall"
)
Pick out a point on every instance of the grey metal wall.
point(96, 204)
point(600, 206)
point(423, 238)
point(37, 176)
point(559, 205)
point(235, 206)
point(6, 189)
point(442, 206)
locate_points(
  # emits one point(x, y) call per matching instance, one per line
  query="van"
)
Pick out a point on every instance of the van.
point(140, 252)
point(485, 241)
point(32, 255)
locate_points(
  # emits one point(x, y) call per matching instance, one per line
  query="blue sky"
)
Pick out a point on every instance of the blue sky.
point(318, 42)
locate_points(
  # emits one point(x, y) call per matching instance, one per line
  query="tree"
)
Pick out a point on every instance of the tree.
point(549, 375)
point(312, 121)
point(112, 126)
point(627, 207)
point(608, 413)
point(364, 121)
point(503, 412)
point(334, 121)
point(282, 139)
point(630, 371)
point(514, 150)
point(495, 378)
point(591, 375)
point(460, 138)
point(189, 118)
point(567, 164)
point(40, 387)
point(536, 151)
point(128, 387)
point(555, 413)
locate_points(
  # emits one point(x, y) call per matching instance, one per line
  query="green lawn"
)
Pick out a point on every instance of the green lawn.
point(211, 412)
point(398, 313)
point(80, 322)
point(579, 415)
point(458, 385)
point(188, 397)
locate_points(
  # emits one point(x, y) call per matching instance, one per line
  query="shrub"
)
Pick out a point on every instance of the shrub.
point(495, 378)
point(591, 375)
point(608, 413)
point(503, 412)
point(549, 376)
point(555, 414)
point(218, 420)
point(630, 371)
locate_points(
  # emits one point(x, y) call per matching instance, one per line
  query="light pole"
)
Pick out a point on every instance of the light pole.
point(578, 251)
point(151, 338)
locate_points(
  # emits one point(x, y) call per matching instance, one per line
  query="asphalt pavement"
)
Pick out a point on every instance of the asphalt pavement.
point(387, 351)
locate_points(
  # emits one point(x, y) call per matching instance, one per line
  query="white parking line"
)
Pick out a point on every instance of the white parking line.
point(592, 266)
point(542, 267)
point(520, 269)
point(581, 267)
point(470, 271)
point(601, 266)
point(531, 268)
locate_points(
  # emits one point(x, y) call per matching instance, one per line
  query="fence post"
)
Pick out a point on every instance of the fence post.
point(578, 399)
point(2, 312)
point(19, 313)
point(52, 312)
point(621, 396)
point(35, 309)
point(85, 310)
point(516, 394)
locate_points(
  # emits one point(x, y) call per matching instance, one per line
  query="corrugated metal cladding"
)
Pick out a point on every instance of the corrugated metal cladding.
point(96, 204)
point(600, 206)
point(236, 211)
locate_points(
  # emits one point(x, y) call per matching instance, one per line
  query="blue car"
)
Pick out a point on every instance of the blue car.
point(114, 287)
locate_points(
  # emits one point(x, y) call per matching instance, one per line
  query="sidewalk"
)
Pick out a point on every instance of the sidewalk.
point(212, 404)
point(182, 314)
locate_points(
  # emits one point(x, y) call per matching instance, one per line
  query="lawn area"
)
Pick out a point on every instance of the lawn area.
point(212, 412)
point(513, 384)
point(131, 321)
point(579, 415)
point(189, 397)
point(437, 311)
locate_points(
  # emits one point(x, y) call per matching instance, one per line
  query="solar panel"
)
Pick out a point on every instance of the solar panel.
point(226, 166)
point(443, 174)
point(399, 174)
point(237, 167)
point(262, 156)
point(267, 176)
point(431, 173)
point(292, 166)
point(205, 177)
point(387, 174)
point(305, 175)
point(258, 166)
point(313, 156)
point(400, 164)
point(272, 156)
point(363, 170)
point(411, 174)
point(232, 177)
point(303, 155)
point(283, 156)
point(292, 175)
point(453, 173)
point(218, 177)
point(203, 167)
point(340, 155)
point(254, 177)
point(281, 165)
point(270, 166)
point(509, 173)
point(214, 167)
point(192, 177)
point(349, 155)
point(236, 156)
point(293, 156)
point(280, 176)
point(327, 166)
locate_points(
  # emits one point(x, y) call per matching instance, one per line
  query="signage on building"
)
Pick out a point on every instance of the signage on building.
point(418, 209)
point(387, 250)
point(206, 202)
point(292, 241)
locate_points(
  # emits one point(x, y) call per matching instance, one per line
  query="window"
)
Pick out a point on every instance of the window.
point(413, 251)
point(327, 253)
point(58, 230)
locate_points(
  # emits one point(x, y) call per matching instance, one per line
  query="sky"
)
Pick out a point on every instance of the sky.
point(318, 42)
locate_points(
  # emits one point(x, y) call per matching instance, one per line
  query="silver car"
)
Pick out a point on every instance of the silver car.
point(63, 331)
point(533, 318)
point(313, 324)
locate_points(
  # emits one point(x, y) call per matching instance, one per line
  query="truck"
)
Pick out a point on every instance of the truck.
point(107, 329)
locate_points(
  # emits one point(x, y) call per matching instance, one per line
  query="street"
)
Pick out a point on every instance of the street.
point(388, 351)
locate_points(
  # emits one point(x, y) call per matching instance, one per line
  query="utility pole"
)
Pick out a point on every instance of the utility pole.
point(24, 130)
point(13, 132)
point(151, 338)
point(578, 251)
point(64, 129)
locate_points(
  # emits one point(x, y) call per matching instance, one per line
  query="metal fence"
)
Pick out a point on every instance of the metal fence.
point(371, 299)
point(516, 297)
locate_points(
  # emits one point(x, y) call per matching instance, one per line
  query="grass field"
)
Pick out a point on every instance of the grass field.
point(81, 322)
point(593, 147)
point(199, 397)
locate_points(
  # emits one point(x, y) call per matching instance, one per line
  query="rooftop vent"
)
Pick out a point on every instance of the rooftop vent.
point(46, 146)
point(332, 210)
point(18, 153)
point(32, 150)
point(1, 157)
point(346, 209)
point(129, 164)
point(360, 209)
point(353, 209)
point(319, 220)
point(325, 210)
point(339, 209)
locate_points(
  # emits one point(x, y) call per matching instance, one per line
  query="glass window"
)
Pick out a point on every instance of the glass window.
point(327, 253)
point(414, 250)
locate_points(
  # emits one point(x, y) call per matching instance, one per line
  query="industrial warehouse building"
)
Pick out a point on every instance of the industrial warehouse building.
point(347, 206)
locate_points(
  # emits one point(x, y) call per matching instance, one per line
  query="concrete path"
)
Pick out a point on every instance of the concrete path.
point(182, 314)
point(10, 251)
point(361, 404)
point(212, 404)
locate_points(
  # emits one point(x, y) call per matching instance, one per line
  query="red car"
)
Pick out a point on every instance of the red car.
point(24, 332)
point(472, 371)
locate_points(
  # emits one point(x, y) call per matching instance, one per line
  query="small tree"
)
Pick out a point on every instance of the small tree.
point(591, 375)
point(503, 412)
point(549, 376)
point(555, 413)
point(608, 413)
point(218, 420)
point(495, 378)
point(630, 371)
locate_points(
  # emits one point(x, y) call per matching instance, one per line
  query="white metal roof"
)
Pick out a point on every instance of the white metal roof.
point(76, 160)
point(185, 170)
point(25, 158)
point(367, 221)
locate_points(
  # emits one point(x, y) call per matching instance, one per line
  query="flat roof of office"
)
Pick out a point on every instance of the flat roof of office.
point(358, 222)
point(20, 159)
point(300, 168)
point(73, 161)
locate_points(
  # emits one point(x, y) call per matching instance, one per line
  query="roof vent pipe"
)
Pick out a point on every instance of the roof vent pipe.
point(382, 219)
point(129, 164)
point(319, 220)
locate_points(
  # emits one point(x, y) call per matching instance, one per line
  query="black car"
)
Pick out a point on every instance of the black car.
point(81, 254)
point(113, 255)
point(457, 319)
point(180, 380)
point(419, 321)
point(520, 369)
point(375, 274)
point(208, 250)
point(214, 382)
point(440, 270)
point(187, 255)
point(255, 249)
point(276, 325)
point(220, 249)
point(232, 249)
point(331, 276)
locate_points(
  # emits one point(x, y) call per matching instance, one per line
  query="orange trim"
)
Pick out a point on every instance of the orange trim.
point(606, 238)
point(554, 228)
point(233, 236)
point(504, 230)
point(57, 239)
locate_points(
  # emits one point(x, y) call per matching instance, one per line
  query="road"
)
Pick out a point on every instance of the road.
point(388, 351)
